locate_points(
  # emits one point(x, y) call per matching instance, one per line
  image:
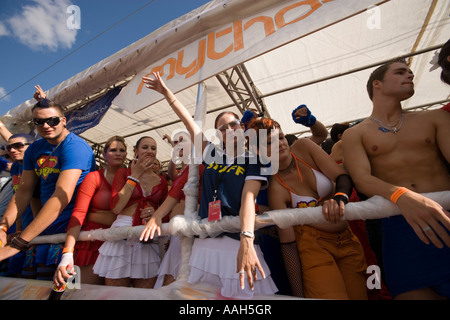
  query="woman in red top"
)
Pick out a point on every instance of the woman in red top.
point(136, 193)
point(91, 211)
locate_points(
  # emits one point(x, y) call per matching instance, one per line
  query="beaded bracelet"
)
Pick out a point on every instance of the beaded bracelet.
point(398, 193)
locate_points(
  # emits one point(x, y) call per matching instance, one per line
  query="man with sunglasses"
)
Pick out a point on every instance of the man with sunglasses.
point(58, 162)
point(16, 146)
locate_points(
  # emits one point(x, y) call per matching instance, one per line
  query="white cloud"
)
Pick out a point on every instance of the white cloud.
point(3, 29)
point(43, 25)
point(2, 93)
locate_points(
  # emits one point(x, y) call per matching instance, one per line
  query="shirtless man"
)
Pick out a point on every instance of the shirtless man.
point(398, 155)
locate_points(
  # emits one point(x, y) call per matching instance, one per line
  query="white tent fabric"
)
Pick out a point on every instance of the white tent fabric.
point(323, 65)
point(317, 69)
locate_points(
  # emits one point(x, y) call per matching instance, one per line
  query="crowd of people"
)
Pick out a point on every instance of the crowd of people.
point(398, 155)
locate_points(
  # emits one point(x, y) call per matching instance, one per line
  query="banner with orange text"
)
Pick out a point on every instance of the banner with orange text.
point(227, 35)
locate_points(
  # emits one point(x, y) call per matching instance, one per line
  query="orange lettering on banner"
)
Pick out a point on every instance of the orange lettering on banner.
point(172, 63)
point(201, 58)
point(238, 36)
point(279, 17)
point(211, 52)
point(269, 27)
point(207, 47)
point(180, 69)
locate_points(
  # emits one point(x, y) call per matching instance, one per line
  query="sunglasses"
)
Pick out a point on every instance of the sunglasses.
point(230, 125)
point(52, 122)
point(16, 146)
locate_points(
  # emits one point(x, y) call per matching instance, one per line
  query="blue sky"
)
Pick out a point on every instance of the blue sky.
point(34, 35)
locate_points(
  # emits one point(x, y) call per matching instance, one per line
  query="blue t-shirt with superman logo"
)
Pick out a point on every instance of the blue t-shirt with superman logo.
point(48, 161)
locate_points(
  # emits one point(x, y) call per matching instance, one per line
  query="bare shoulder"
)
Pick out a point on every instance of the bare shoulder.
point(306, 149)
point(336, 151)
point(440, 115)
point(433, 115)
point(355, 131)
point(303, 142)
point(428, 118)
point(305, 146)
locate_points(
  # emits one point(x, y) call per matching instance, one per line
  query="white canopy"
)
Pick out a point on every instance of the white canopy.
point(267, 54)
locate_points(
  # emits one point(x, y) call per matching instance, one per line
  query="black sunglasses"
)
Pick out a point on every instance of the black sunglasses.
point(52, 122)
point(16, 146)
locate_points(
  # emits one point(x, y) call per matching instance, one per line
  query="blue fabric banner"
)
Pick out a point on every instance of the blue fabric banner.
point(89, 116)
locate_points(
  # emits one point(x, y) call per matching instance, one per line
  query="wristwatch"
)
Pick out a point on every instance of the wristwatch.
point(247, 234)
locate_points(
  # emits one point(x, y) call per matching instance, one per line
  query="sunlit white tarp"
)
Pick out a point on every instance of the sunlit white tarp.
point(234, 39)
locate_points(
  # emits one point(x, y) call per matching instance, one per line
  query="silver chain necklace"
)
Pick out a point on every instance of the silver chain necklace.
point(384, 127)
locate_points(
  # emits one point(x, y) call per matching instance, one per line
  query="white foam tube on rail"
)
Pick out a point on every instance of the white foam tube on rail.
point(189, 226)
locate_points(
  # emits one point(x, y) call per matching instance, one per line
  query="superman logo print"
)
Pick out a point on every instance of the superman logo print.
point(47, 166)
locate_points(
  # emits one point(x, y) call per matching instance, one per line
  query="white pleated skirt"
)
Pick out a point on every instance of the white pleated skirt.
point(123, 259)
point(171, 262)
point(213, 260)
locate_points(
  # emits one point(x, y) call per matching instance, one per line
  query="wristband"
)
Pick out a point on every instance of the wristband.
point(247, 234)
point(398, 193)
point(68, 250)
point(309, 120)
point(341, 196)
point(4, 228)
point(131, 183)
point(133, 179)
point(19, 244)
